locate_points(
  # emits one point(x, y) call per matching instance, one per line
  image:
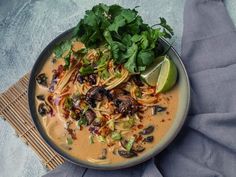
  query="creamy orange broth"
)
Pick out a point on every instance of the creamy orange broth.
point(81, 148)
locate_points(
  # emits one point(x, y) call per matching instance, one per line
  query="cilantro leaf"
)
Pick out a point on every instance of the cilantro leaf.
point(61, 48)
point(86, 70)
point(145, 57)
point(164, 24)
point(129, 39)
point(131, 63)
point(119, 21)
point(82, 121)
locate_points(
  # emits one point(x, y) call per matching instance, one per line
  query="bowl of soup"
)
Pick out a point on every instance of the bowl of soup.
point(96, 112)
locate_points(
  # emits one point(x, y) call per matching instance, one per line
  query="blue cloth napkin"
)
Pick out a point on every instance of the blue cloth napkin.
point(206, 147)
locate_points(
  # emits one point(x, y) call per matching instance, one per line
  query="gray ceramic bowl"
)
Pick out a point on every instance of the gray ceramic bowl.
point(183, 106)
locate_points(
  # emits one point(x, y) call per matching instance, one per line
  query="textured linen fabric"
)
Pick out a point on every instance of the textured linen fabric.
point(206, 146)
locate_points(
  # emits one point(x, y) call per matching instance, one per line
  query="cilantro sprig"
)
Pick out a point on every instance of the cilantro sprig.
point(131, 41)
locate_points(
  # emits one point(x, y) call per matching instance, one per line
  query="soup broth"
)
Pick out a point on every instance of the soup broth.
point(127, 120)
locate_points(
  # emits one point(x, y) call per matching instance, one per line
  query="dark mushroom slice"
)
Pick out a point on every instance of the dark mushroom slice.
point(80, 79)
point(147, 130)
point(118, 91)
point(103, 155)
point(126, 105)
point(98, 123)
point(92, 79)
point(42, 79)
point(127, 154)
point(148, 139)
point(43, 109)
point(96, 93)
point(137, 80)
point(138, 148)
point(40, 97)
point(157, 109)
point(90, 115)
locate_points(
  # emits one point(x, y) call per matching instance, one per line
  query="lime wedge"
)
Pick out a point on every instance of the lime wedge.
point(167, 76)
point(150, 75)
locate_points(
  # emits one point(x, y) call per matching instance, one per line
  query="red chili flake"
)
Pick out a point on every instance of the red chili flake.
point(51, 112)
point(140, 126)
point(107, 117)
point(72, 133)
point(162, 120)
point(110, 144)
point(66, 114)
point(167, 112)
point(50, 99)
point(60, 69)
point(66, 89)
point(141, 111)
point(139, 138)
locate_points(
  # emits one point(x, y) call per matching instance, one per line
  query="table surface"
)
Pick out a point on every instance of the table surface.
point(26, 27)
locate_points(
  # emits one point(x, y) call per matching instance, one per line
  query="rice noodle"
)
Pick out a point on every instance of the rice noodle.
point(98, 161)
point(116, 82)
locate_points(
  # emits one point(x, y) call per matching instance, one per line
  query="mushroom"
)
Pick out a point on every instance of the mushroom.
point(96, 94)
point(148, 139)
point(92, 79)
point(157, 109)
point(42, 79)
point(138, 148)
point(90, 115)
point(126, 104)
point(40, 97)
point(43, 109)
point(127, 154)
point(147, 130)
point(104, 154)
point(118, 91)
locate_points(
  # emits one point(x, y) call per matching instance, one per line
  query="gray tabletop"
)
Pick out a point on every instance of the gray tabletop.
point(26, 27)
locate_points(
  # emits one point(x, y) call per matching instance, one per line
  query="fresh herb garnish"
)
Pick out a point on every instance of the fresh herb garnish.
point(69, 141)
point(138, 93)
point(130, 143)
point(61, 48)
point(131, 41)
point(111, 124)
point(68, 103)
point(116, 136)
point(67, 61)
point(82, 121)
point(86, 70)
point(101, 139)
point(91, 141)
point(129, 123)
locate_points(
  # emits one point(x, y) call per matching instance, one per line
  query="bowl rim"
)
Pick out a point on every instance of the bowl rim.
point(48, 141)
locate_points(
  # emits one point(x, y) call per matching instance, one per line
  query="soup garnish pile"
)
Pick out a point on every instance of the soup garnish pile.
point(90, 96)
